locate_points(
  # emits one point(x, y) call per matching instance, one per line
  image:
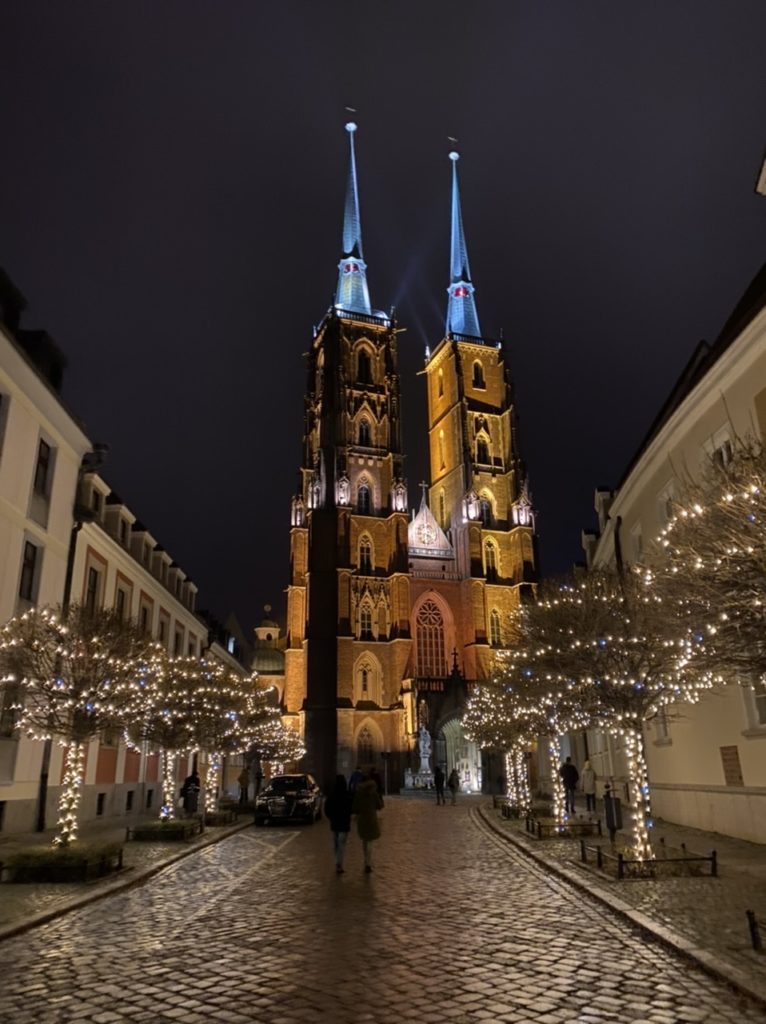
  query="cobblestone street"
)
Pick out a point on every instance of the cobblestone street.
point(453, 925)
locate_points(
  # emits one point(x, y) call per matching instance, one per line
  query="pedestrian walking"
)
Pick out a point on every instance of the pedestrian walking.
point(258, 780)
point(588, 783)
point(357, 775)
point(190, 792)
point(439, 784)
point(367, 803)
point(453, 785)
point(244, 784)
point(570, 777)
point(337, 809)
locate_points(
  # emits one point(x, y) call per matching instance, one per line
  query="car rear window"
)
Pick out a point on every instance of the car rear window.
point(287, 782)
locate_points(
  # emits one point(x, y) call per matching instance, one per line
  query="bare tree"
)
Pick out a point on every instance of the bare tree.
point(71, 676)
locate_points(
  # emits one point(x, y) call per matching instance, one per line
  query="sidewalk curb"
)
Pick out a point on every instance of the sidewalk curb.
point(120, 884)
point(708, 962)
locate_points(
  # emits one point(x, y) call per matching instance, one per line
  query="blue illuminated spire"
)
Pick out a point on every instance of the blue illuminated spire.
point(461, 308)
point(351, 293)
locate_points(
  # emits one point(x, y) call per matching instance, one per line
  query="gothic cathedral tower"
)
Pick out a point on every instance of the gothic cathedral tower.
point(478, 491)
point(348, 599)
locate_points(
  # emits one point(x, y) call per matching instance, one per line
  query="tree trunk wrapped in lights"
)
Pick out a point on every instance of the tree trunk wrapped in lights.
point(72, 677)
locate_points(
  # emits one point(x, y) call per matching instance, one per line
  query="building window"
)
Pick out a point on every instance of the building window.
point(365, 749)
point(637, 538)
point(365, 623)
point(121, 603)
point(129, 800)
point(363, 499)
point(441, 384)
point(365, 680)
point(495, 637)
point(485, 511)
point(482, 451)
point(363, 368)
point(42, 469)
point(192, 647)
point(364, 433)
point(365, 556)
point(179, 643)
point(92, 590)
point(478, 375)
point(162, 629)
point(144, 618)
point(429, 632)
point(100, 801)
point(29, 575)
point(149, 799)
point(490, 561)
point(442, 463)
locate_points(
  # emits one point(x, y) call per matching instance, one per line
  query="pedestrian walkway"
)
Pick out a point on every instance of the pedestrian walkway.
point(455, 925)
point(702, 917)
point(26, 905)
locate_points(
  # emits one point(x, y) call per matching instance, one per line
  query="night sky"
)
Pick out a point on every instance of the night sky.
point(171, 194)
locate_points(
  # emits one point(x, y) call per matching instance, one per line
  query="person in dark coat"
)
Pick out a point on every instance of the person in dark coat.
point(337, 809)
point(367, 803)
point(453, 785)
point(570, 777)
point(357, 776)
point(190, 792)
point(439, 784)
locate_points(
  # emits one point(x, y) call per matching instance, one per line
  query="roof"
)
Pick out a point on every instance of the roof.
point(268, 661)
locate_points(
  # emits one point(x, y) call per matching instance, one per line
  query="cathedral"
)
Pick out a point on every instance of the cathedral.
point(393, 612)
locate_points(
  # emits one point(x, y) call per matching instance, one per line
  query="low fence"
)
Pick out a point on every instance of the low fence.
point(628, 867)
point(553, 830)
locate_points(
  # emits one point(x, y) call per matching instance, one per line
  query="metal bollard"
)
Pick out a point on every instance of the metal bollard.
point(755, 931)
point(620, 866)
point(599, 858)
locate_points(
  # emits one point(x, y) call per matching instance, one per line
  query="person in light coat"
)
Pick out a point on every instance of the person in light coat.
point(588, 783)
point(367, 803)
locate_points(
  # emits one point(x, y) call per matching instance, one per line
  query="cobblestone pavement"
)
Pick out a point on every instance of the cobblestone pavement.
point(707, 912)
point(20, 903)
point(453, 925)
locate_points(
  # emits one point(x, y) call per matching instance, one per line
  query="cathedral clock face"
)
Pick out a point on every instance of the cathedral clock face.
point(426, 533)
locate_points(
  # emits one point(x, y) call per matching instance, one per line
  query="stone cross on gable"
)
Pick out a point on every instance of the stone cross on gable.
point(424, 486)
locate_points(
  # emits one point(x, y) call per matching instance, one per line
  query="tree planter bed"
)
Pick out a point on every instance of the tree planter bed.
point(166, 831)
point(550, 829)
point(221, 817)
point(75, 863)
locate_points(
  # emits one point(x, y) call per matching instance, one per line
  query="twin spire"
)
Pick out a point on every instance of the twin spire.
point(352, 293)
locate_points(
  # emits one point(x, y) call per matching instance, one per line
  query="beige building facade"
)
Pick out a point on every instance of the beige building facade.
point(707, 763)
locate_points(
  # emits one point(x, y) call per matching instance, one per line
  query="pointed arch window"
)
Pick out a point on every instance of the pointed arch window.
point(482, 451)
point(441, 384)
point(441, 450)
point(365, 748)
point(485, 511)
point(365, 622)
point(363, 367)
point(478, 375)
point(495, 635)
point(364, 432)
point(490, 561)
point(363, 499)
point(365, 556)
point(429, 632)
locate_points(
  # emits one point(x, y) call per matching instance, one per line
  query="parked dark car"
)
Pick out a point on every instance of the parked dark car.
point(289, 798)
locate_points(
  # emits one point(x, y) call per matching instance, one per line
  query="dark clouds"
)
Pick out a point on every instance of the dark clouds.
point(171, 189)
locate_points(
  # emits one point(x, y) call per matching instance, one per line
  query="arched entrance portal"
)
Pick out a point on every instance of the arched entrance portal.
point(460, 753)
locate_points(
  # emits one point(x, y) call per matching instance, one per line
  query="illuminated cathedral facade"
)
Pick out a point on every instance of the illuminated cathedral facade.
point(394, 613)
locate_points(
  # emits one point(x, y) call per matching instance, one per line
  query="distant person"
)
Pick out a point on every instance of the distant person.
point(453, 785)
point(569, 776)
point(375, 776)
point(337, 809)
point(190, 792)
point(258, 780)
point(439, 779)
point(357, 775)
point(244, 785)
point(367, 803)
point(588, 784)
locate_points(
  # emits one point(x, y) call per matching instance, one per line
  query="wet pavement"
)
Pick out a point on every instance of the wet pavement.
point(453, 925)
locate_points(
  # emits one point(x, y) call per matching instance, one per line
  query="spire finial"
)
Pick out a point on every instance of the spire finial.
point(462, 317)
point(352, 293)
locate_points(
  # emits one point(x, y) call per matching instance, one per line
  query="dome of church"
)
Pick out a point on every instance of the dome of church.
point(268, 661)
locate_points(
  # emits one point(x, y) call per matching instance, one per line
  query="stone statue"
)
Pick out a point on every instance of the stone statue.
point(424, 746)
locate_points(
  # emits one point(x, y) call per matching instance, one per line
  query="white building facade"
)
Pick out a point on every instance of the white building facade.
point(707, 763)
